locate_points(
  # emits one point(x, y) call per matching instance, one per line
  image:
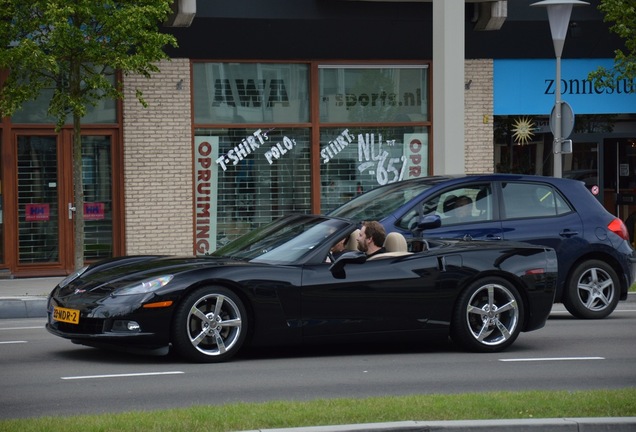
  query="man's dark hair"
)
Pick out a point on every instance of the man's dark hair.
point(375, 231)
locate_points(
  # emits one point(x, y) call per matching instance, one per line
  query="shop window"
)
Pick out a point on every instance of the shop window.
point(358, 159)
point(253, 139)
point(36, 111)
point(250, 93)
point(368, 93)
point(1, 208)
point(245, 178)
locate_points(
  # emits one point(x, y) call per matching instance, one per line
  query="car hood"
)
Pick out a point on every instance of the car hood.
point(106, 276)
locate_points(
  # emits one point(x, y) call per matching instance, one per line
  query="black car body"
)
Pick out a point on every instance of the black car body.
point(596, 259)
point(276, 286)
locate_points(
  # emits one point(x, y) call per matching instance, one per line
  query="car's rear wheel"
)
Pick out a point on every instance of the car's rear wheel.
point(488, 316)
point(592, 291)
point(210, 325)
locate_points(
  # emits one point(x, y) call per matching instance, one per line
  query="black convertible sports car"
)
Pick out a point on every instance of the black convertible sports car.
point(277, 286)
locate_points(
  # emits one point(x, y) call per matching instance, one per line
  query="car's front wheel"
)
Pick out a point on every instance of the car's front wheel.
point(488, 316)
point(592, 291)
point(209, 326)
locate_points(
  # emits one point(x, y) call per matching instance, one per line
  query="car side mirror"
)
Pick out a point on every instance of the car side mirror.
point(337, 268)
point(426, 222)
point(418, 244)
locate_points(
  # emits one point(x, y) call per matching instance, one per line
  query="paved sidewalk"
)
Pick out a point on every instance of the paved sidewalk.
point(25, 298)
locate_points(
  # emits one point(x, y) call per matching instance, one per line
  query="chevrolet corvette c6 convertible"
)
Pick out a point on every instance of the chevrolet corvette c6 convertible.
point(279, 285)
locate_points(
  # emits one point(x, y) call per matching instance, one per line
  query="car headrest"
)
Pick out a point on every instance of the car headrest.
point(449, 204)
point(395, 242)
point(352, 243)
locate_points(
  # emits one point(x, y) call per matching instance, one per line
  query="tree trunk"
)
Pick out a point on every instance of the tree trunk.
point(78, 179)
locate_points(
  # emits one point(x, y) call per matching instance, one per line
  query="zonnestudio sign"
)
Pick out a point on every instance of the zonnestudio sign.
point(528, 87)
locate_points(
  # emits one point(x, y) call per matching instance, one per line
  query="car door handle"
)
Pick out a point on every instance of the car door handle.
point(568, 233)
point(493, 237)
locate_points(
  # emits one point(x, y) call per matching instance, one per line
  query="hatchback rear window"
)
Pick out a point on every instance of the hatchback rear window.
point(522, 200)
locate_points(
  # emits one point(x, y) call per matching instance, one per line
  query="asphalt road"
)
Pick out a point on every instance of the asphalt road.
point(41, 374)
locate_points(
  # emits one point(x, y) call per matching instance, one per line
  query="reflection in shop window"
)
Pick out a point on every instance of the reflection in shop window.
point(36, 111)
point(357, 159)
point(251, 93)
point(368, 93)
point(245, 178)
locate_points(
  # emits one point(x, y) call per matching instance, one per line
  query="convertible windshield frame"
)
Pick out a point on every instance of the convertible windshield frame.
point(288, 240)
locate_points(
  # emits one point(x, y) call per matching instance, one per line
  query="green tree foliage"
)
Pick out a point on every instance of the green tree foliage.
point(74, 48)
point(622, 13)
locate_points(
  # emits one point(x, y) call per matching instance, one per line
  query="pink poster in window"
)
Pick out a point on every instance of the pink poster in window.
point(93, 211)
point(37, 213)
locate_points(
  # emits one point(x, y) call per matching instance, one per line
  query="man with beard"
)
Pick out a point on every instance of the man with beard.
point(371, 238)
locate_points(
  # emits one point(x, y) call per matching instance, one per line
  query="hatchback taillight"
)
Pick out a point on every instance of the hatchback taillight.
point(618, 227)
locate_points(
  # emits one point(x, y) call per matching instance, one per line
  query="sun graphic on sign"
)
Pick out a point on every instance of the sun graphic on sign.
point(522, 130)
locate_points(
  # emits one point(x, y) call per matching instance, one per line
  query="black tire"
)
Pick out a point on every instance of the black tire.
point(488, 316)
point(209, 325)
point(592, 290)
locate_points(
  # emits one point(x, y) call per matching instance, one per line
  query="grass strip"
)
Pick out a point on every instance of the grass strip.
point(282, 414)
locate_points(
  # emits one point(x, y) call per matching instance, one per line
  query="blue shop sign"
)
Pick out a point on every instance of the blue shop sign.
point(528, 87)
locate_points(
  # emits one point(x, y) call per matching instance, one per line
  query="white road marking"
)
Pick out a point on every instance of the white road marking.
point(616, 311)
point(22, 328)
point(12, 342)
point(550, 359)
point(122, 375)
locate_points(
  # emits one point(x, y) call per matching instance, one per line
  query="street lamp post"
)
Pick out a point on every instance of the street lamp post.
point(559, 12)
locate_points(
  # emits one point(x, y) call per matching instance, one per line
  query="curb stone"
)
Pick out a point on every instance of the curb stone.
point(582, 424)
point(23, 307)
point(25, 298)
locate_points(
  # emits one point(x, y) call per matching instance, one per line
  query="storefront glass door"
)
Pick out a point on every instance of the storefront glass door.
point(98, 197)
point(45, 201)
point(38, 200)
point(619, 157)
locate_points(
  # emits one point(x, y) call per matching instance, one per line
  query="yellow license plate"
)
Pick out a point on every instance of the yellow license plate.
point(66, 315)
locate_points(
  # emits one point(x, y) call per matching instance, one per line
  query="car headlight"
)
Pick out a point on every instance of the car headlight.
point(145, 286)
point(70, 278)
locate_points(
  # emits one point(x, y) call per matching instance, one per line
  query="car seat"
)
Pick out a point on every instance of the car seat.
point(352, 243)
point(395, 245)
point(449, 205)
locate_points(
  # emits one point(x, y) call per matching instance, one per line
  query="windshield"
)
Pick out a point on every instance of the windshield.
point(283, 241)
point(380, 202)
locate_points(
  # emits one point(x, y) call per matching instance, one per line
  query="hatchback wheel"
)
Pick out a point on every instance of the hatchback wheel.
point(209, 326)
point(592, 291)
point(488, 316)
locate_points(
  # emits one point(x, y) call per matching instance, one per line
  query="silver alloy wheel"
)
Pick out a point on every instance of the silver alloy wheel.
point(595, 289)
point(214, 324)
point(492, 314)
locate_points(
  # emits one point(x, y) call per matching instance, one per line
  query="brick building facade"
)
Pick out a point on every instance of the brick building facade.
point(290, 118)
point(158, 162)
point(158, 156)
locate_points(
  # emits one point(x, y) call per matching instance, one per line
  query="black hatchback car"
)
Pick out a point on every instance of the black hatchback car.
point(596, 260)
